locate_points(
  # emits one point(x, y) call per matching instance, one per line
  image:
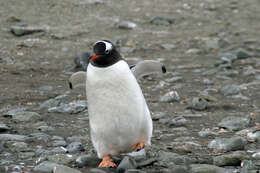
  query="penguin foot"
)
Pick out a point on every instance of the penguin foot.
point(107, 162)
point(139, 146)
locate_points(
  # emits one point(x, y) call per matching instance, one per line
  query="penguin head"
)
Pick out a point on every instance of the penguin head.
point(105, 54)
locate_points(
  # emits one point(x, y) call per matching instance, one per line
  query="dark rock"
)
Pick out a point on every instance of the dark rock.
point(125, 164)
point(227, 57)
point(96, 170)
point(24, 29)
point(234, 123)
point(87, 160)
point(242, 54)
point(233, 159)
point(82, 60)
point(75, 147)
point(228, 144)
point(157, 20)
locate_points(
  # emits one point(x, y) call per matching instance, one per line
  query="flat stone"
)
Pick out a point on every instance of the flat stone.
point(233, 159)
point(157, 20)
point(205, 168)
point(125, 164)
point(193, 51)
point(59, 143)
point(12, 112)
point(175, 79)
point(11, 137)
point(26, 116)
point(254, 136)
point(87, 160)
point(179, 121)
point(39, 137)
point(75, 147)
point(228, 144)
point(20, 147)
point(134, 171)
point(64, 169)
point(230, 90)
point(207, 133)
point(64, 159)
point(235, 123)
point(171, 96)
point(198, 104)
point(45, 167)
point(24, 29)
point(126, 25)
point(227, 57)
point(4, 127)
point(72, 108)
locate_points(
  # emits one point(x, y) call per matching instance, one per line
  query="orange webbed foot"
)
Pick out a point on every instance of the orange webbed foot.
point(139, 146)
point(107, 162)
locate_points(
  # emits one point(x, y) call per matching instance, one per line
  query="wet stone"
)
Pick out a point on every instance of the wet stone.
point(171, 96)
point(233, 159)
point(228, 144)
point(205, 168)
point(75, 147)
point(125, 164)
point(126, 25)
point(235, 123)
point(87, 160)
point(157, 20)
point(256, 155)
point(45, 167)
point(64, 169)
point(24, 29)
point(230, 90)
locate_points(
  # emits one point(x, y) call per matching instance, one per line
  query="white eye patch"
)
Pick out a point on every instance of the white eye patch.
point(108, 45)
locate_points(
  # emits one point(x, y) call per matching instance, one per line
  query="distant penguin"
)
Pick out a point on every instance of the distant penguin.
point(119, 118)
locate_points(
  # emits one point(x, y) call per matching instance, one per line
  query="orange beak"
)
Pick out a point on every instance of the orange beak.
point(94, 57)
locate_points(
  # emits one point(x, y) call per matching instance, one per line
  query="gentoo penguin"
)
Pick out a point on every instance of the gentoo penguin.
point(119, 118)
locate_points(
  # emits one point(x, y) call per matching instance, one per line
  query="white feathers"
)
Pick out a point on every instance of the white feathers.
point(109, 46)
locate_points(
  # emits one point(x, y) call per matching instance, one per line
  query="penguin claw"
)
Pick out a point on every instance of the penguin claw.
point(107, 162)
point(139, 146)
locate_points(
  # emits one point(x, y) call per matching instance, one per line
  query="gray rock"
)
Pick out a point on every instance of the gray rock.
point(193, 51)
point(138, 155)
point(228, 144)
point(11, 137)
point(72, 108)
point(157, 20)
point(134, 171)
point(64, 169)
point(242, 53)
point(26, 155)
point(82, 60)
point(168, 46)
point(39, 137)
point(75, 138)
point(75, 147)
point(233, 159)
point(205, 168)
point(59, 143)
point(198, 104)
point(12, 112)
point(158, 115)
point(4, 127)
point(227, 57)
point(54, 102)
point(212, 43)
point(235, 123)
point(26, 116)
point(174, 79)
point(256, 155)
point(227, 73)
point(171, 96)
point(179, 121)
point(24, 29)
point(239, 96)
point(126, 25)
point(19, 147)
point(230, 90)
point(125, 164)
point(96, 170)
point(45, 167)
point(254, 136)
point(65, 159)
point(250, 164)
point(207, 133)
point(207, 82)
point(87, 160)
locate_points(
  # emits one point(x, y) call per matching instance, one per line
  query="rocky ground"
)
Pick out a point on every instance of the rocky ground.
point(206, 109)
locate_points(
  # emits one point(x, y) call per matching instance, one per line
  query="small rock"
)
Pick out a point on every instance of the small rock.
point(59, 143)
point(171, 96)
point(239, 96)
point(207, 133)
point(193, 51)
point(198, 104)
point(65, 159)
point(207, 82)
point(162, 21)
point(82, 60)
point(228, 144)
point(19, 147)
point(39, 137)
point(179, 121)
point(205, 168)
point(242, 54)
point(26, 116)
point(233, 159)
point(174, 79)
point(45, 167)
point(75, 138)
point(96, 170)
point(11, 137)
point(134, 171)
point(168, 46)
point(64, 169)
point(256, 155)
point(234, 123)
point(250, 165)
point(254, 136)
point(227, 57)
point(125, 164)
point(158, 115)
point(12, 112)
point(21, 30)
point(75, 147)
point(72, 108)
point(4, 127)
point(87, 160)
point(138, 155)
point(26, 155)
point(126, 25)
point(230, 90)
point(212, 43)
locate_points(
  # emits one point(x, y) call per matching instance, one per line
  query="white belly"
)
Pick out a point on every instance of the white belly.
point(118, 114)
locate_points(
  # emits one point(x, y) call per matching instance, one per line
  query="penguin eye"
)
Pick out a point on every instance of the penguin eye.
point(106, 51)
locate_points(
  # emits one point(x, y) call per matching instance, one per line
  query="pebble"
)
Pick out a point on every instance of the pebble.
point(59, 143)
point(193, 51)
point(26, 116)
point(87, 160)
point(12, 137)
point(157, 20)
point(24, 29)
point(230, 90)
point(45, 167)
point(75, 147)
point(205, 168)
point(39, 137)
point(228, 144)
point(171, 96)
point(12, 112)
point(72, 108)
point(207, 82)
point(227, 57)
point(138, 155)
point(54, 102)
point(82, 60)
point(207, 133)
point(168, 46)
point(198, 104)
point(179, 121)
point(4, 127)
point(233, 159)
point(254, 136)
point(125, 164)
point(96, 170)
point(158, 115)
point(174, 79)
point(64, 169)
point(65, 159)
point(235, 123)
point(134, 171)
point(20, 147)
point(126, 25)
